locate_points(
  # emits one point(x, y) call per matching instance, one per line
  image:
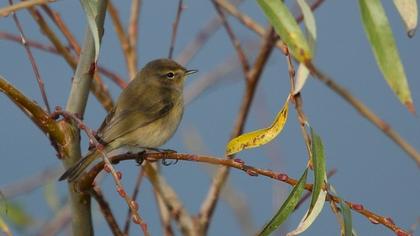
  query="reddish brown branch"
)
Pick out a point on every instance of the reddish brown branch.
point(175, 27)
point(32, 60)
point(249, 170)
point(106, 211)
point(51, 49)
point(366, 112)
point(128, 52)
point(209, 204)
point(139, 180)
point(40, 117)
point(236, 43)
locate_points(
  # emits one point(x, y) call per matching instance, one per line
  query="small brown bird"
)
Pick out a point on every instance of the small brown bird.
point(146, 114)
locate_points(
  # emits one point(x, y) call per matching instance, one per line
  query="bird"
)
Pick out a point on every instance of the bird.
point(146, 114)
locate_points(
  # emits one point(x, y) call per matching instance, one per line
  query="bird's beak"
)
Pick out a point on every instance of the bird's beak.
point(190, 72)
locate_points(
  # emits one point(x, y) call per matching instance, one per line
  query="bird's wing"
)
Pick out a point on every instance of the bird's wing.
point(121, 122)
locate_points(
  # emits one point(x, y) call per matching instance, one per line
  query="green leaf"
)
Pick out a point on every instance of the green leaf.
point(4, 227)
point(259, 137)
point(16, 214)
point(287, 28)
point(383, 45)
point(318, 194)
point(346, 213)
point(302, 73)
point(91, 10)
point(287, 208)
point(409, 15)
point(344, 216)
point(320, 172)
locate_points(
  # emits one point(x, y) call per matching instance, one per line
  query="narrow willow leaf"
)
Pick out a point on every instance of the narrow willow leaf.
point(287, 28)
point(302, 73)
point(287, 208)
point(91, 10)
point(383, 45)
point(15, 214)
point(4, 227)
point(344, 216)
point(320, 172)
point(409, 15)
point(259, 137)
point(318, 194)
point(310, 215)
point(346, 213)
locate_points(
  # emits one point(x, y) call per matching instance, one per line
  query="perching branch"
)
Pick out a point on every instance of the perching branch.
point(249, 170)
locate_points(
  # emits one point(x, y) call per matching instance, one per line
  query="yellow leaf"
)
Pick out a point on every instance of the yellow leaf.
point(259, 137)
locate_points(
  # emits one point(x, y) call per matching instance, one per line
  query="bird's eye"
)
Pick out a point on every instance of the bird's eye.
point(170, 75)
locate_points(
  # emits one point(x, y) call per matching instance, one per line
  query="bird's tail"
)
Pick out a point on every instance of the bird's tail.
point(74, 172)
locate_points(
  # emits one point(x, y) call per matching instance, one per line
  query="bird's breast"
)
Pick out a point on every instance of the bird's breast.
point(157, 132)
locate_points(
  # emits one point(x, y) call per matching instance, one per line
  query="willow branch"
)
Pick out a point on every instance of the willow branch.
point(209, 204)
point(239, 164)
point(57, 223)
point(22, 5)
point(106, 211)
point(175, 27)
point(56, 18)
point(172, 202)
point(234, 40)
point(29, 184)
point(76, 103)
point(51, 49)
point(136, 190)
point(366, 112)
point(38, 115)
point(133, 25)
point(201, 38)
point(32, 60)
point(124, 41)
point(97, 87)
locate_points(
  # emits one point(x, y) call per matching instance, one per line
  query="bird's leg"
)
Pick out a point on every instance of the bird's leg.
point(140, 157)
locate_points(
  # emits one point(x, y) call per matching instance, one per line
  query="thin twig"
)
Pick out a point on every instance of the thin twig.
point(241, 55)
point(51, 49)
point(133, 31)
point(175, 27)
point(253, 25)
point(365, 112)
point(298, 101)
point(38, 115)
point(201, 38)
point(56, 18)
point(136, 190)
point(124, 40)
point(106, 211)
point(199, 86)
point(32, 60)
point(58, 222)
point(116, 176)
point(164, 213)
point(22, 5)
point(209, 203)
point(239, 164)
point(173, 204)
point(29, 184)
